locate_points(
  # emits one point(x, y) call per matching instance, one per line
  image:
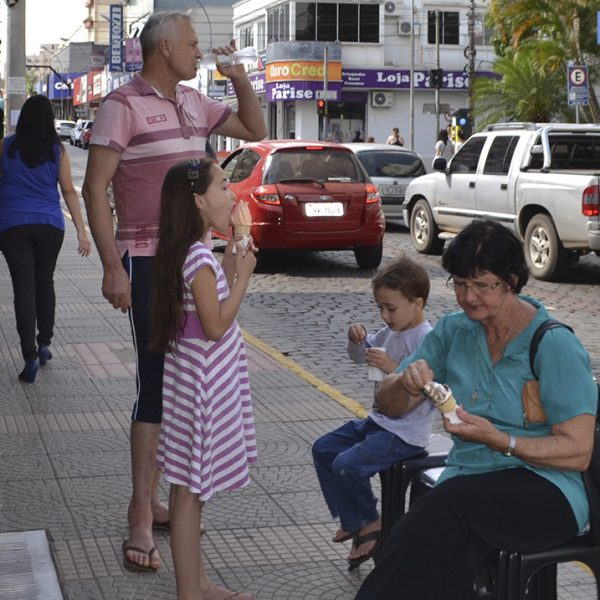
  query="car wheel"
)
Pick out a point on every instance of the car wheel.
point(368, 257)
point(545, 255)
point(424, 231)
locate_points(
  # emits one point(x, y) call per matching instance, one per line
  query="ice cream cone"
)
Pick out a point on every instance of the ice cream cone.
point(240, 230)
point(448, 405)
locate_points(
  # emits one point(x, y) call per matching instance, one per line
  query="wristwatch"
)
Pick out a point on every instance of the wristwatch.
point(510, 450)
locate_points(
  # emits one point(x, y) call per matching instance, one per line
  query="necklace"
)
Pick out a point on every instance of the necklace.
point(498, 346)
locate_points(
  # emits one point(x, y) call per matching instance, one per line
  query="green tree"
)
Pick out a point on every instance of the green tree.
point(529, 87)
point(570, 26)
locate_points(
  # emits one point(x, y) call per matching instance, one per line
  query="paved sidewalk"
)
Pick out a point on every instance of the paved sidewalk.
point(65, 463)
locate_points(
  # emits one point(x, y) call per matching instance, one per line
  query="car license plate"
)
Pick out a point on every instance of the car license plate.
point(324, 209)
point(392, 190)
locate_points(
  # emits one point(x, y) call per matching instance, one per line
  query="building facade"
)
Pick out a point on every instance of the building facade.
point(359, 57)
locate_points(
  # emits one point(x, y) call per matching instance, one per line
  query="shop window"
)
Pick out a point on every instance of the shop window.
point(448, 27)
point(325, 22)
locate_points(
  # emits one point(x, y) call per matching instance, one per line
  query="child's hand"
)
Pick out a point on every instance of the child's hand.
point(245, 261)
point(378, 358)
point(357, 333)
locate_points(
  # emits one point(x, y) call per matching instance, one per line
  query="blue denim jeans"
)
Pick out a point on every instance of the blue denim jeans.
point(346, 459)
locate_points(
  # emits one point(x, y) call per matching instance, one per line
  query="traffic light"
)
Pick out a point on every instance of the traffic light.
point(436, 78)
point(321, 107)
point(463, 119)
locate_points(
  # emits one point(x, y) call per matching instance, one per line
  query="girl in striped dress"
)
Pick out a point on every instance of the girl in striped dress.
point(207, 437)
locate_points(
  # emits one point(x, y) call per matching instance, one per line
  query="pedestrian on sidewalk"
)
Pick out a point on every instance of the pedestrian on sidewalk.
point(33, 163)
point(395, 139)
point(347, 458)
point(141, 130)
point(513, 478)
point(207, 437)
point(443, 146)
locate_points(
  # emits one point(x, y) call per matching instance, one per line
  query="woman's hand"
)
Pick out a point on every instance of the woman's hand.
point(476, 429)
point(416, 376)
point(85, 244)
point(379, 358)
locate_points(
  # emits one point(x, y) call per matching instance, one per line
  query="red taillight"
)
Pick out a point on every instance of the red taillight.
point(372, 193)
point(267, 194)
point(590, 200)
point(314, 148)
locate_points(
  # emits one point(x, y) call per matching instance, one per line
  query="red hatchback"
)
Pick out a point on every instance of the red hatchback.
point(310, 196)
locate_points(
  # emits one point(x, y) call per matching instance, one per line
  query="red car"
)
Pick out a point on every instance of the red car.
point(308, 195)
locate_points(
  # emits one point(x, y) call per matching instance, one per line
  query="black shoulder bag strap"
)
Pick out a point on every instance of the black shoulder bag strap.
point(538, 334)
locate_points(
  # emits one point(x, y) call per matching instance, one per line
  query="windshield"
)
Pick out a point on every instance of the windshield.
point(325, 164)
point(380, 163)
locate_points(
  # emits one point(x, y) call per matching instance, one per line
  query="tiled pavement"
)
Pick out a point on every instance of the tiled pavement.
point(65, 464)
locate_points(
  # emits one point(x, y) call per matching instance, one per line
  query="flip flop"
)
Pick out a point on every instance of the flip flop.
point(239, 595)
point(133, 566)
point(347, 537)
point(359, 541)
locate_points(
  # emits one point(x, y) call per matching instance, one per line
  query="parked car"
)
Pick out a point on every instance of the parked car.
point(78, 130)
point(86, 134)
point(64, 128)
point(308, 195)
point(539, 179)
point(391, 169)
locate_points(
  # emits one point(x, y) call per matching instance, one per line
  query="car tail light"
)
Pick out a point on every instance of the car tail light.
point(590, 200)
point(267, 194)
point(372, 193)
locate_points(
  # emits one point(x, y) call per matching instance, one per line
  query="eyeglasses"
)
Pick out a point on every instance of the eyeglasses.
point(480, 289)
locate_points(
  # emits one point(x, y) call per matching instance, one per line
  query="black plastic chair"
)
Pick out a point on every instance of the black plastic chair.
point(396, 480)
point(533, 576)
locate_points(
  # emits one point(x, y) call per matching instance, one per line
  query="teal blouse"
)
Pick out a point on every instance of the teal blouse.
point(457, 352)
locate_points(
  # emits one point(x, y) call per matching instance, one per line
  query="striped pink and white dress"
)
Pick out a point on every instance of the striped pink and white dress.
point(207, 438)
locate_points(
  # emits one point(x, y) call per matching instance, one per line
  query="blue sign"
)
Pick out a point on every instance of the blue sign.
point(116, 38)
point(60, 85)
point(578, 92)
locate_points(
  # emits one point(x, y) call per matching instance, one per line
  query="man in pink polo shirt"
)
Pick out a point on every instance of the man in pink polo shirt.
point(141, 129)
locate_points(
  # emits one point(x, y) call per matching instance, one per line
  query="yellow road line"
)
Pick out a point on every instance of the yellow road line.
point(294, 367)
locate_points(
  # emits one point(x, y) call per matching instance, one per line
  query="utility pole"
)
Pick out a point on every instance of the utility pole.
point(471, 52)
point(437, 66)
point(411, 96)
point(16, 89)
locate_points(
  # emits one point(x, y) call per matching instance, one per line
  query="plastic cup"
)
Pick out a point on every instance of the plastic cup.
point(374, 373)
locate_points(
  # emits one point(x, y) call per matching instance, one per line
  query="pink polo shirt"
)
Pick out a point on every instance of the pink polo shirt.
point(152, 133)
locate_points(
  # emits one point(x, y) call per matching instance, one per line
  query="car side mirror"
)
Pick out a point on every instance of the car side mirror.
point(439, 164)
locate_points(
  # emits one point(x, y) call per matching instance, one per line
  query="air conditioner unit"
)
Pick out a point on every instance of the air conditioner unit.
point(404, 28)
point(382, 99)
point(392, 9)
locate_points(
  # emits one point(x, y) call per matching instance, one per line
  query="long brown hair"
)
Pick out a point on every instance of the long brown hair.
point(180, 226)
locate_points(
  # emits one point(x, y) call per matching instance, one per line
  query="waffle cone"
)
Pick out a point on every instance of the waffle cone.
point(448, 405)
point(241, 230)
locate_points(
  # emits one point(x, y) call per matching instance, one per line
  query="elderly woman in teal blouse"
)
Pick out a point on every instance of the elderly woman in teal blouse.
point(509, 483)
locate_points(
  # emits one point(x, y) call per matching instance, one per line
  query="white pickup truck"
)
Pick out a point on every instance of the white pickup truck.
point(541, 180)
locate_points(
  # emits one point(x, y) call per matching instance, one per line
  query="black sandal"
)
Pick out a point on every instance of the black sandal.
point(359, 540)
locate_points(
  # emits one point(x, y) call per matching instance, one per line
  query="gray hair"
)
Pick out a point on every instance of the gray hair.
point(157, 27)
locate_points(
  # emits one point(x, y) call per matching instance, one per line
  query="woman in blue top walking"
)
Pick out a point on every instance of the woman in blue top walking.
point(32, 226)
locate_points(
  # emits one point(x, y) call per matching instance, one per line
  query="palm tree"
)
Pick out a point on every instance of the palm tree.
point(569, 24)
point(529, 87)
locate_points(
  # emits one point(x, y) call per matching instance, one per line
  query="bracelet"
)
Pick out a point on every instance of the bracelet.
point(512, 442)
